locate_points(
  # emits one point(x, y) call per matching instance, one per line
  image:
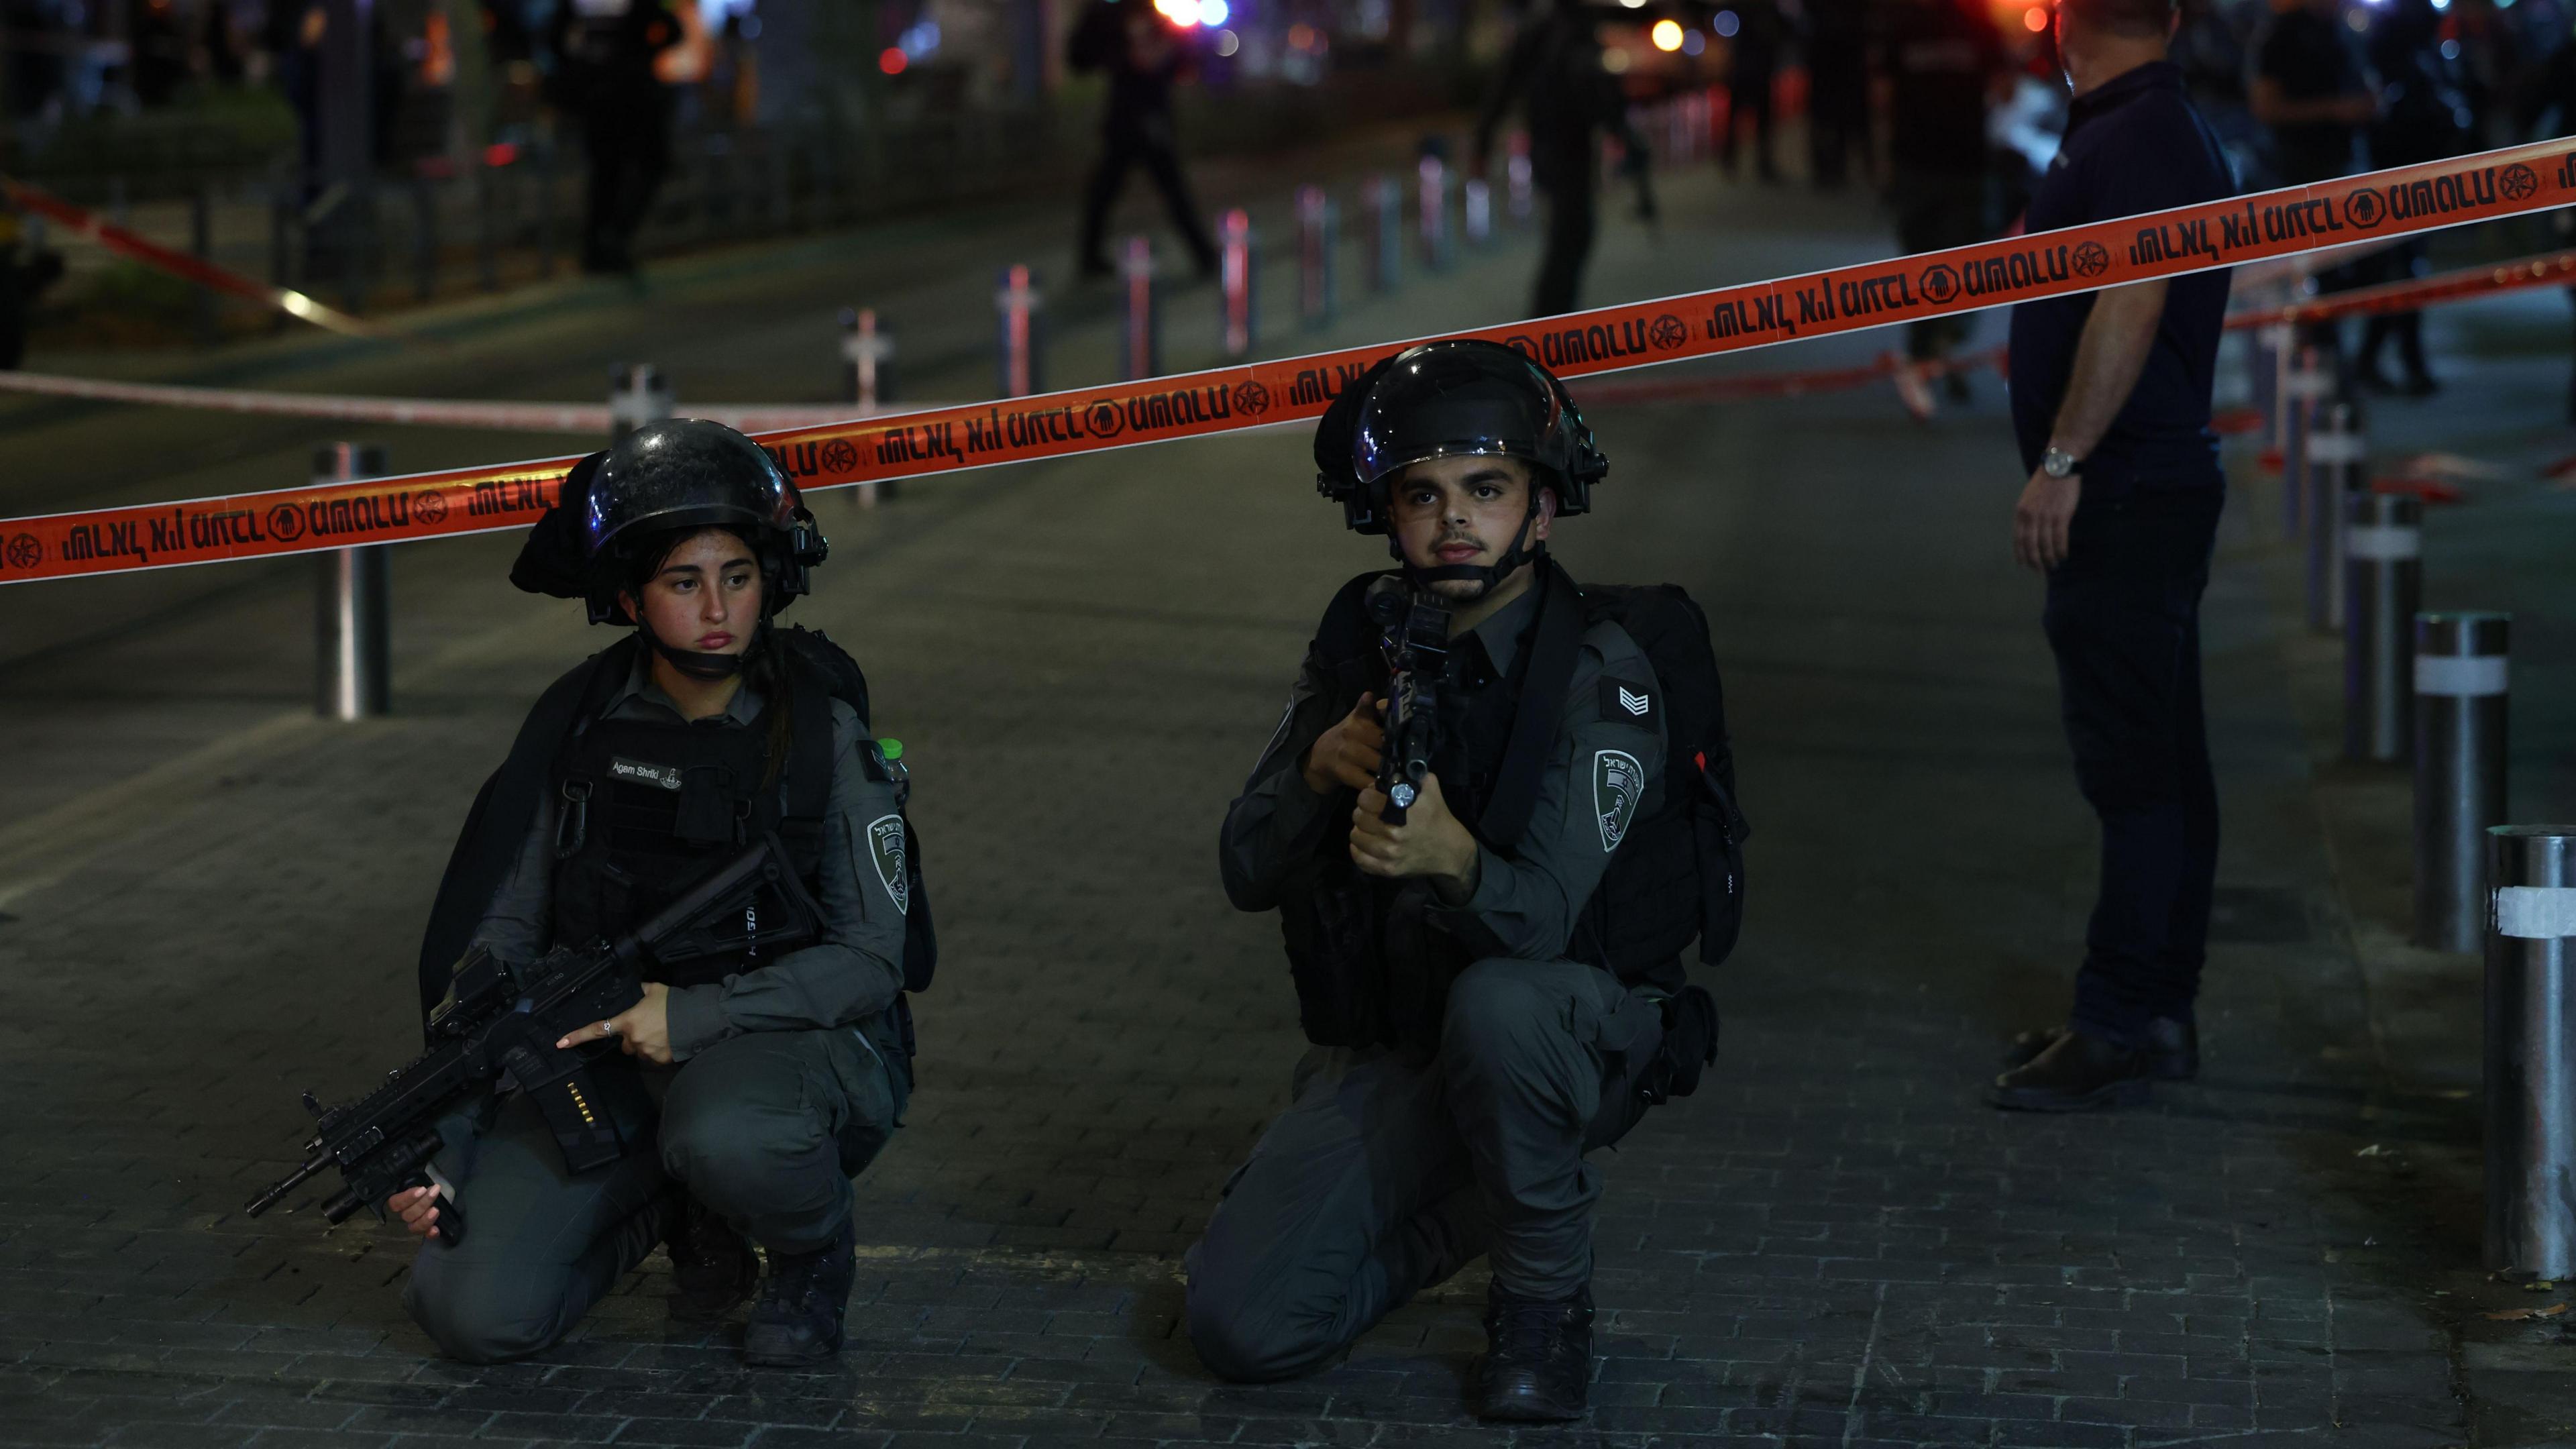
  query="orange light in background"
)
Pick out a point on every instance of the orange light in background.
point(2035, 19)
point(1667, 35)
point(893, 60)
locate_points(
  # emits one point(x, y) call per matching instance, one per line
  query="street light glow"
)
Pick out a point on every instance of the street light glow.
point(1667, 35)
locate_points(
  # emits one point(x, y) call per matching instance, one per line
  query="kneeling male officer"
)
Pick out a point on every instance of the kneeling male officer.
point(1489, 995)
point(757, 1083)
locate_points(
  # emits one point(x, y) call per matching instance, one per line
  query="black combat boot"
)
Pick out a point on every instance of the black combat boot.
point(713, 1267)
point(797, 1321)
point(2079, 1072)
point(2172, 1047)
point(1538, 1357)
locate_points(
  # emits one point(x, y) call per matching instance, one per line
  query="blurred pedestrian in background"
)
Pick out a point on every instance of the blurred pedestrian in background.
point(2421, 118)
point(2549, 106)
point(1753, 64)
point(1555, 72)
point(606, 80)
point(1144, 60)
point(2310, 90)
point(26, 270)
point(2111, 405)
point(1837, 52)
point(1940, 64)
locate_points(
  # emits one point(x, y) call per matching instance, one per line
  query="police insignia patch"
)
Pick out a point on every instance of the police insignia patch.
point(1618, 782)
point(885, 848)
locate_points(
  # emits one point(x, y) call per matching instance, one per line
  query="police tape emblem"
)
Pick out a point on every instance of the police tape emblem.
point(1618, 782)
point(885, 848)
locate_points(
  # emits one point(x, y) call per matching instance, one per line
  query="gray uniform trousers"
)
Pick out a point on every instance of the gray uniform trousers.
point(766, 1129)
point(1389, 1172)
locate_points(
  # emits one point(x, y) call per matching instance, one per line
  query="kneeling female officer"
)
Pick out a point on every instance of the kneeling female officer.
point(775, 1078)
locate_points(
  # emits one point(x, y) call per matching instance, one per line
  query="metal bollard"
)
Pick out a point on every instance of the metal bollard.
point(2530, 1056)
point(1238, 271)
point(2334, 454)
point(1016, 304)
point(2460, 699)
point(2303, 387)
point(353, 675)
point(636, 395)
point(867, 381)
point(1477, 207)
point(201, 245)
point(1386, 233)
point(1520, 182)
point(1140, 330)
point(2383, 585)
point(1319, 236)
point(1431, 200)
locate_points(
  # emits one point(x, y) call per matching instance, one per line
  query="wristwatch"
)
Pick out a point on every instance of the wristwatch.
point(2056, 462)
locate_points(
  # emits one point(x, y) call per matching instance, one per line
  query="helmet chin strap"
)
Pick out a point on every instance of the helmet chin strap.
point(1489, 576)
point(699, 665)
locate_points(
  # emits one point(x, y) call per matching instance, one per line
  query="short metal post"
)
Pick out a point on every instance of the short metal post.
point(1140, 327)
point(637, 395)
point(1386, 234)
point(487, 238)
point(1242, 319)
point(353, 677)
point(201, 244)
point(2460, 699)
point(2334, 454)
point(1319, 236)
point(1015, 305)
point(1520, 181)
point(1478, 209)
point(2383, 586)
point(867, 381)
point(424, 204)
point(546, 209)
point(1432, 201)
point(2530, 1055)
point(2303, 387)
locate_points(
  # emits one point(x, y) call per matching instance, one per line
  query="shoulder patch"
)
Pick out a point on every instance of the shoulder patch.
point(886, 852)
point(1618, 783)
point(1628, 702)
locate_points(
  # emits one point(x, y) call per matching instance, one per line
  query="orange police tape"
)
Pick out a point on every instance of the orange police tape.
point(2553, 269)
point(1608, 339)
point(179, 264)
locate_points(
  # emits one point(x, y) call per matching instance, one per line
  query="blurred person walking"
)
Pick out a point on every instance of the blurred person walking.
point(1940, 64)
point(605, 78)
point(2422, 118)
point(1144, 60)
point(2310, 89)
point(1753, 65)
point(2111, 405)
point(1837, 51)
point(2549, 101)
point(1554, 70)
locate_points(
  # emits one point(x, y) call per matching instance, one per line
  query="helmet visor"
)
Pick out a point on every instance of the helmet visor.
point(1437, 406)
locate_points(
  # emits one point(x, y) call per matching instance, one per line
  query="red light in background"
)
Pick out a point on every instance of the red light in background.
point(2035, 19)
point(500, 153)
point(893, 60)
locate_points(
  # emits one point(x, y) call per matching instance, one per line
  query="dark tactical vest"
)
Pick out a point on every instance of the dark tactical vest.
point(1368, 966)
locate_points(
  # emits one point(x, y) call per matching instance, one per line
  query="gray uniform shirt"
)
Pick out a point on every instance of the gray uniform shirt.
point(1608, 765)
point(854, 972)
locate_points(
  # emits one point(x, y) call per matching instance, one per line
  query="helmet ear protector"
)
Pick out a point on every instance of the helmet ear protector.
point(1453, 397)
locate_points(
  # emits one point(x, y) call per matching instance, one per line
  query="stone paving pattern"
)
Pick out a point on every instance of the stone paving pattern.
point(1832, 1243)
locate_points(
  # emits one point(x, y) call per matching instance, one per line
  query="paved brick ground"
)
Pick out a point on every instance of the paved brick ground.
point(1831, 1244)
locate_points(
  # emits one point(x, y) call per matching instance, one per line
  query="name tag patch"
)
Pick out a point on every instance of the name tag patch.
point(1628, 703)
point(661, 777)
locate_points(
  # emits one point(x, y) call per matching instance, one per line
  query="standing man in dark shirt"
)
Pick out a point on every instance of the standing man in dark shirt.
point(1144, 61)
point(2309, 87)
point(1939, 63)
point(2110, 394)
point(1837, 51)
point(606, 52)
point(1753, 64)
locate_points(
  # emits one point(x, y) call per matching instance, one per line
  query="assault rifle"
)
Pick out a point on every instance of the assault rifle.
point(1415, 640)
point(499, 1025)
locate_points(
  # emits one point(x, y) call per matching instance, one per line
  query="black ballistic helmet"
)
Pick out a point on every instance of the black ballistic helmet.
point(1457, 396)
point(686, 473)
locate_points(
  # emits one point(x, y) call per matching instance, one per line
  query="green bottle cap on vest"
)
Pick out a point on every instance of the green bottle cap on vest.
point(893, 749)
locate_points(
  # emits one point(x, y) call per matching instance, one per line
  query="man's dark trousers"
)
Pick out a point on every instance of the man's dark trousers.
point(2123, 618)
point(1147, 143)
